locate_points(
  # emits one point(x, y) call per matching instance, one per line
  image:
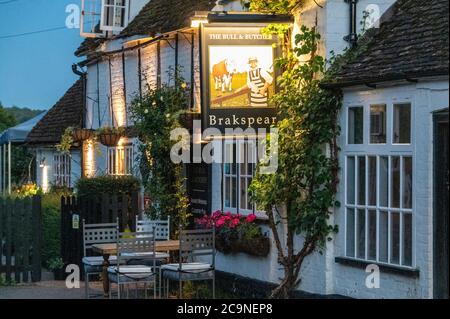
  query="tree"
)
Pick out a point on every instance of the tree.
point(6, 119)
point(299, 197)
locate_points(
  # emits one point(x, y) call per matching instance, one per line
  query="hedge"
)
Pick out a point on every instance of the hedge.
point(107, 185)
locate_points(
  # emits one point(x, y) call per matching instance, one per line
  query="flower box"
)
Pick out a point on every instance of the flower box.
point(258, 247)
point(237, 234)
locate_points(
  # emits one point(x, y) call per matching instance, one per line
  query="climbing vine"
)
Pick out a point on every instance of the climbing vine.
point(300, 196)
point(156, 114)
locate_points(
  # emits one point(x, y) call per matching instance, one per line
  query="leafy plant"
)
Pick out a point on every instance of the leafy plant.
point(66, 142)
point(301, 194)
point(27, 190)
point(236, 233)
point(111, 130)
point(55, 263)
point(6, 283)
point(156, 114)
point(51, 223)
point(107, 185)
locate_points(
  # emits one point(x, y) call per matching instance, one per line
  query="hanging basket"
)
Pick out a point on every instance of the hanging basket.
point(109, 139)
point(82, 134)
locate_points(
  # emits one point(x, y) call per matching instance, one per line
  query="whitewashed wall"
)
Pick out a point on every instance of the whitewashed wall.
point(425, 98)
point(45, 175)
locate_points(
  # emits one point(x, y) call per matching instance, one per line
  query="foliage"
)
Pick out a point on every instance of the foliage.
point(6, 119)
point(22, 168)
point(55, 263)
point(231, 225)
point(236, 233)
point(107, 185)
point(301, 193)
point(51, 224)
point(156, 114)
point(27, 190)
point(66, 142)
point(274, 6)
point(110, 130)
point(22, 114)
point(6, 283)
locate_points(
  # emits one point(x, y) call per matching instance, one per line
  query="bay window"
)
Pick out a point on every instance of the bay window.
point(379, 185)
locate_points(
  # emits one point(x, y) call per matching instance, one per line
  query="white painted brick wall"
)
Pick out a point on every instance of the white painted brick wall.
point(425, 97)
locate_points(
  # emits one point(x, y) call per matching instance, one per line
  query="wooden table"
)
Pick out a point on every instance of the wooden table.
point(107, 250)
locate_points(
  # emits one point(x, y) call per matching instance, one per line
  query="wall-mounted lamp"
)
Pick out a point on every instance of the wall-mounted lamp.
point(199, 18)
point(42, 162)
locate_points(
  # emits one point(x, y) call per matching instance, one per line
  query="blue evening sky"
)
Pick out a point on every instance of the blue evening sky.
point(35, 70)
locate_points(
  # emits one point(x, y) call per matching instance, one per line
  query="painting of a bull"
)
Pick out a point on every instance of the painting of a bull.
point(222, 73)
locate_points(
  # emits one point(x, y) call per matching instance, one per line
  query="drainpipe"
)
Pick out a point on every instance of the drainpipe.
point(83, 116)
point(352, 38)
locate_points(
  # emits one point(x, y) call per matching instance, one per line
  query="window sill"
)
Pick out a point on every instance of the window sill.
point(397, 270)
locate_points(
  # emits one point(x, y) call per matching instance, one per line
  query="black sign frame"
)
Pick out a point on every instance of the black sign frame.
point(235, 117)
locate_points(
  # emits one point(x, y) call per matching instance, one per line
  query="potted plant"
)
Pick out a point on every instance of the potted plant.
point(237, 234)
point(82, 134)
point(110, 136)
point(56, 265)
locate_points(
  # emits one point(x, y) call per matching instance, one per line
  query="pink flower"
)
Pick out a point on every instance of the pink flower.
point(234, 222)
point(220, 222)
point(216, 214)
point(251, 218)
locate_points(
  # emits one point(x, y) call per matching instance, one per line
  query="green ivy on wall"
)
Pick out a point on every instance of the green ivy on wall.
point(156, 114)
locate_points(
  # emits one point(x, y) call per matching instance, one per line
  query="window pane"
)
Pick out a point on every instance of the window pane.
point(350, 232)
point(377, 124)
point(350, 180)
point(355, 125)
point(243, 198)
point(395, 238)
point(383, 236)
point(233, 192)
point(395, 181)
point(361, 180)
point(372, 191)
point(407, 239)
point(402, 124)
point(227, 191)
point(361, 233)
point(372, 235)
point(384, 177)
point(407, 182)
point(243, 159)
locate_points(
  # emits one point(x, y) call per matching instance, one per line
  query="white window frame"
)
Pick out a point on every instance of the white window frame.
point(88, 10)
point(391, 151)
point(106, 7)
point(239, 159)
point(120, 160)
point(62, 170)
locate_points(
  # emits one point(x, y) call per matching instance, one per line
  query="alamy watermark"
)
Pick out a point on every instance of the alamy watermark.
point(262, 146)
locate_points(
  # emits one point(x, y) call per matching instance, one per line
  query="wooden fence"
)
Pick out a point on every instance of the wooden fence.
point(102, 208)
point(20, 239)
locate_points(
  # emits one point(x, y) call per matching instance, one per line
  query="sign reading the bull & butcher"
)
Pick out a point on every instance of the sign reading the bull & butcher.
point(238, 76)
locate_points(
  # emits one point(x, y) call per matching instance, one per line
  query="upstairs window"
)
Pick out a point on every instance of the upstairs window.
point(114, 16)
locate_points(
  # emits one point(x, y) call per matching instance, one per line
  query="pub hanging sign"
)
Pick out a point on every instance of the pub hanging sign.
point(238, 76)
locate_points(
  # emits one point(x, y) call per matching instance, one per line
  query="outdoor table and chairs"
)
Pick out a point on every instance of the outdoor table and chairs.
point(143, 257)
